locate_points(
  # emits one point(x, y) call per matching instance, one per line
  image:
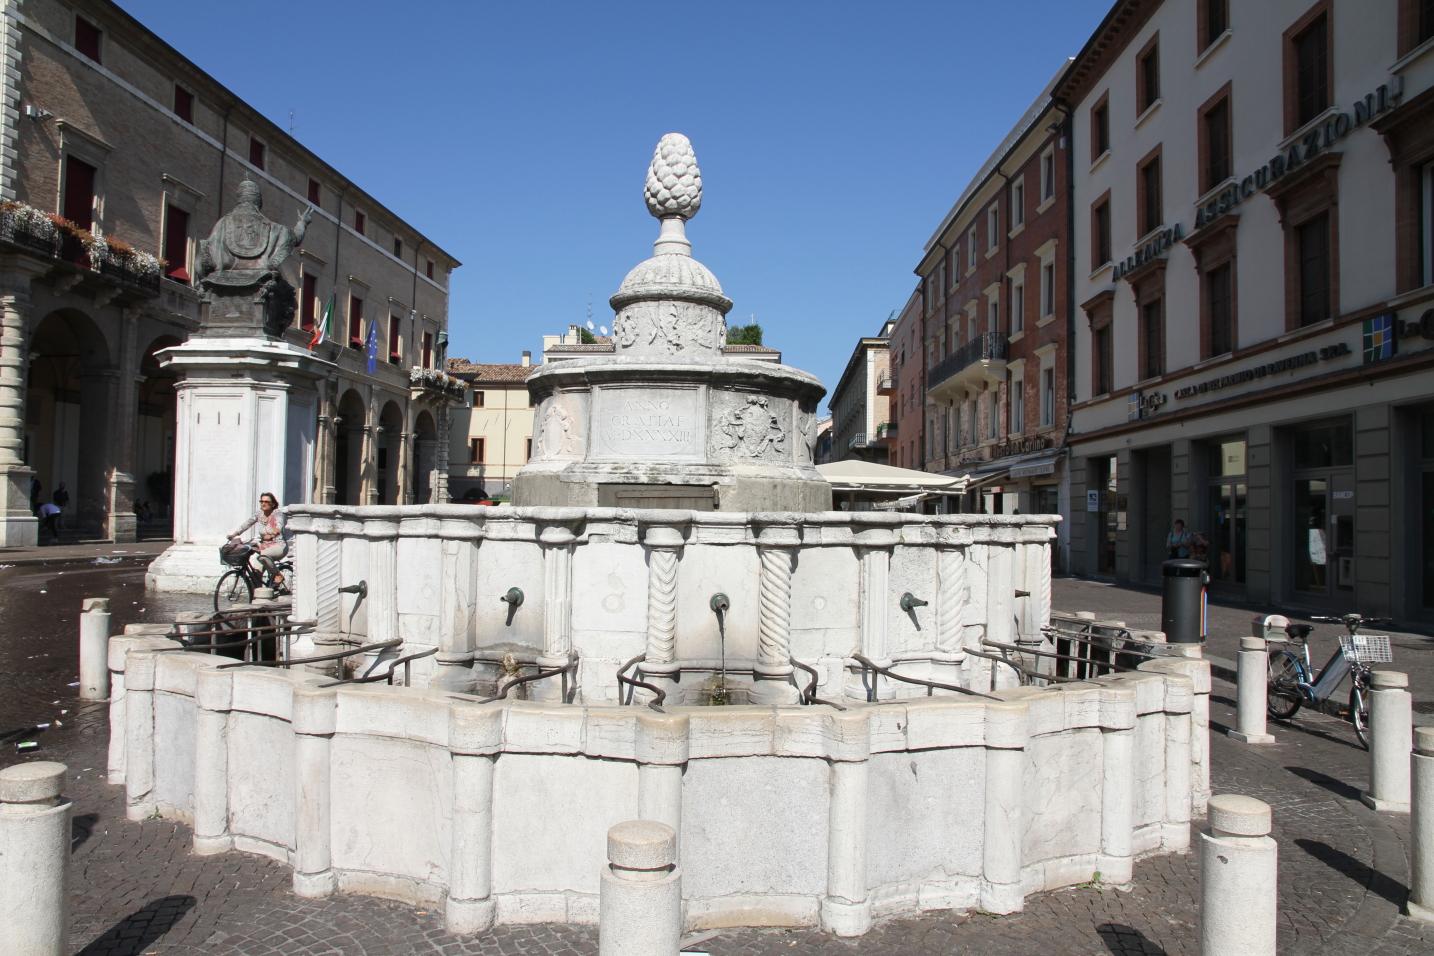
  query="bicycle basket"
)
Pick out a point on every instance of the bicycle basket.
point(1367, 648)
point(234, 553)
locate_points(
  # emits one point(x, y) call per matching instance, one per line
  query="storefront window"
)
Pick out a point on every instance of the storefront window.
point(1226, 501)
point(1322, 536)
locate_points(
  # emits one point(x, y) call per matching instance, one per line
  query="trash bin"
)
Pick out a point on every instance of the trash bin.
point(1182, 608)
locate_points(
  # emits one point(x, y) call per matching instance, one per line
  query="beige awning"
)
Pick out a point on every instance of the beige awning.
point(856, 475)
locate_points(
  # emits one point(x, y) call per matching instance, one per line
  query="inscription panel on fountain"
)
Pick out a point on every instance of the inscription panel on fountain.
point(648, 422)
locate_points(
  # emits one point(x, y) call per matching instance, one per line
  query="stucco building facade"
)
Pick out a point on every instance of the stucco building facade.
point(492, 435)
point(138, 151)
point(861, 401)
point(1254, 341)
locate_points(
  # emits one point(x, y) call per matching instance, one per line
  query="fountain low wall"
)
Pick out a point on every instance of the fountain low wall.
point(615, 583)
point(786, 816)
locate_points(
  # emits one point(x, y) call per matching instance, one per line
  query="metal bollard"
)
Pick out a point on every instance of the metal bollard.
point(1238, 862)
point(1391, 736)
point(95, 649)
point(35, 850)
point(640, 903)
point(1253, 690)
point(1421, 828)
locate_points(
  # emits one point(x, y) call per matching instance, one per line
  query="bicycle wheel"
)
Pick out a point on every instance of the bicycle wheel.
point(1359, 713)
point(233, 588)
point(1283, 698)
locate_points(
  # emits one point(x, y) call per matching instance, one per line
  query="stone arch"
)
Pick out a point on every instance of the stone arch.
point(155, 434)
point(70, 379)
point(348, 449)
point(425, 456)
point(388, 444)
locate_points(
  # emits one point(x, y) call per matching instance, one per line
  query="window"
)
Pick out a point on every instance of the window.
point(1100, 128)
point(1018, 202)
point(256, 153)
point(1312, 244)
point(1152, 336)
point(87, 38)
point(78, 204)
point(1307, 68)
point(993, 227)
point(1216, 147)
point(394, 325)
point(314, 193)
point(1048, 175)
point(428, 350)
point(1425, 32)
point(183, 104)
point(308, 301)
point(1219, 292)
point(1425, 188)
point(1048, 289)
point(478, 399)
point(176, 243)
point(1018, 305)
point(993, 416)
point(1151, 208)
point(1101, 373)
point(971, 249)
point(397, 248)
point(953, 266)
point(359, 222)
point(476, 451)
point(355, 322)
point(993, 315)
point(1016, 400)
point(1214, 20)
point(1048, 396)
point(1147, 76)
point(1100, 232)
point(428, 269)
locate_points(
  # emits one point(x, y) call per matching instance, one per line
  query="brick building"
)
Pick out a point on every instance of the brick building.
point(1253, 199)
point(995, 307)
point(139, 151)
point(908, 387)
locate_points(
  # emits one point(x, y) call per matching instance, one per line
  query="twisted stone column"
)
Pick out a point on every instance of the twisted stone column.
point(777, 551)
point(951, 598)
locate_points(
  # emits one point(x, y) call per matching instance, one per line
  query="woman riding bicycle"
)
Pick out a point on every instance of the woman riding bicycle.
point(272, 541)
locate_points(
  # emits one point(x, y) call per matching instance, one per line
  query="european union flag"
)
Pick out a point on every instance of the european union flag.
point(1379, 339)
point(372, 346)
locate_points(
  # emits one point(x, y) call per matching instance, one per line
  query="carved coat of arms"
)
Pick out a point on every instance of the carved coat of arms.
point(751, 429)
point(555, 434)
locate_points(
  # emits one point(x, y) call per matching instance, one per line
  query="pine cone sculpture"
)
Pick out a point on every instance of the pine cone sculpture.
point(674, 183)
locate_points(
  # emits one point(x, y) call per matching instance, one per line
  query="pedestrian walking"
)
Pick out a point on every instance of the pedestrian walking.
point(1178, 541)
point(50, 519)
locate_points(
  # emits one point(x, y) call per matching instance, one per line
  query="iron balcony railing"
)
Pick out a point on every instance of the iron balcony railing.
point(63, 246)
point(857, 441)
point(990, 347)
point(886, 430)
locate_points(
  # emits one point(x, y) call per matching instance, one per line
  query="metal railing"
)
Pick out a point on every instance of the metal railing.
point(632, 683)
point(857, 441)
point(869, 666)
point(569, 691)
point(809, 693)
point(387, 676)
point(1095, 647)
point(320, 658)
point(988, 347)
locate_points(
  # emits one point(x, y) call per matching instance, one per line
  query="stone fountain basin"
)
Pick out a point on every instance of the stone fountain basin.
point(787, 816)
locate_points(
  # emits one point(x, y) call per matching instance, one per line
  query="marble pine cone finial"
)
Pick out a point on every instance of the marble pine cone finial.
point(674, 183)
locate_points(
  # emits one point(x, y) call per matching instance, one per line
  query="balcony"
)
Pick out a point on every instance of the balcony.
point(978, 363)
point(886, 384)
point(885, 430)
point(112, 275)
point(857, 441)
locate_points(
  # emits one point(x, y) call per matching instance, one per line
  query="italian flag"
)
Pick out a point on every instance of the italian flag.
point(321, 327)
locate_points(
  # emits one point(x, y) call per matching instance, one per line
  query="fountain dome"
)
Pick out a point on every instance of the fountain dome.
point(668, 419)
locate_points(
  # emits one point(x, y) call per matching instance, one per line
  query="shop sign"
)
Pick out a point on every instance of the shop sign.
point(1021, 446)
point(1287, 364)
point(1144, 405)
point(1422, 326)
point(1155, 248)
point(1092, 501)
point(1316, 141)
point(1380, 338)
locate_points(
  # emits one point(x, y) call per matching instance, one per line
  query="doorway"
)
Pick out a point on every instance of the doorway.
point(1226, 500)
point(1322, 534)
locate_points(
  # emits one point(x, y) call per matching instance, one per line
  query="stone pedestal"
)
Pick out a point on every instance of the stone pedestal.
point(247, 423)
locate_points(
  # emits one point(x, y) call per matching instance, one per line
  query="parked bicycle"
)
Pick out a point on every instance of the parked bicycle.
point(1293, 681)
point(237, 585)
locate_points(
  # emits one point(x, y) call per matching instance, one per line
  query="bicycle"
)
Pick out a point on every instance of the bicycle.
point(1293, 682)
point(237, 585)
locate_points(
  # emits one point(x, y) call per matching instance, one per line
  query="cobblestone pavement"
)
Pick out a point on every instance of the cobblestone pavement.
point(137, 889)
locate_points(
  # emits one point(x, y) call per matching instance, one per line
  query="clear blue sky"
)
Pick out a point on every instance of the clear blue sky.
point(833, 137)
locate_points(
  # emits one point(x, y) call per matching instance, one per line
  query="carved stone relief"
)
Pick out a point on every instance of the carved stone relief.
point(750, 429)
point(557, 432)
point(807, 424)
point(669, 327)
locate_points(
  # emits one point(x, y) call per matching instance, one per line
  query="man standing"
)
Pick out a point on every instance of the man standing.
point(1177, 542)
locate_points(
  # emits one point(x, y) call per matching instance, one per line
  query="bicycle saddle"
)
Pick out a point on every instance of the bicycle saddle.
point(1299, 631)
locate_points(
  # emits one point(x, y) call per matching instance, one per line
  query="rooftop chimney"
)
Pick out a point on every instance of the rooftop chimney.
point(527, 358)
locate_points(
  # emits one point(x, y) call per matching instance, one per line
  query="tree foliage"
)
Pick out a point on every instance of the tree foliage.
point(586, 337)
point(744, 334)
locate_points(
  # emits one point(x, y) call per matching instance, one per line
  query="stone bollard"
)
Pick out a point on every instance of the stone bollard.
point(95, 649)
point(1237, 878)
point(35, 851)
point(1421, 828)
point(640, 906)
point(1252, 692)
point(1391, 733)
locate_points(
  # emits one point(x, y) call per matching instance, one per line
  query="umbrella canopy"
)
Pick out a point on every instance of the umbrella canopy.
point(856, 475)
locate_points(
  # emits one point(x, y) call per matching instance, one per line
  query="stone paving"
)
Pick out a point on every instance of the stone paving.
point(137, 889)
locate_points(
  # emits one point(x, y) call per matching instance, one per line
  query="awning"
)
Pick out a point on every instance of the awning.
point(854, 475)
point(1037, 466)
point(987, 478)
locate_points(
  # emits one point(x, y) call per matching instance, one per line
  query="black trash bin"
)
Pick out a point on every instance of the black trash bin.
point(1182, 608)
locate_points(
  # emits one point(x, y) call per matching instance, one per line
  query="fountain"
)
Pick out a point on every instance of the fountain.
point(885, 746)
